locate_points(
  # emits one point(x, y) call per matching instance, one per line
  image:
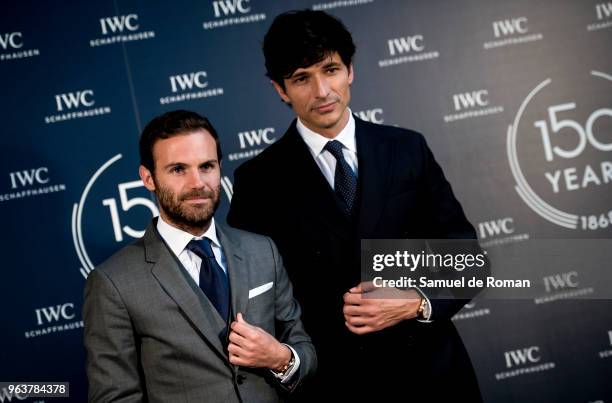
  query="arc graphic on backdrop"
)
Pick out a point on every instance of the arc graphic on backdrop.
point(566, 219)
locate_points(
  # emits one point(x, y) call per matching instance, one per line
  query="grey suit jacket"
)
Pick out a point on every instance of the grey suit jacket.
point(152, 335)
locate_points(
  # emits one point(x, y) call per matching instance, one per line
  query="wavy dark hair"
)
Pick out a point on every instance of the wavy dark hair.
point(301, 38)
point(170, 124)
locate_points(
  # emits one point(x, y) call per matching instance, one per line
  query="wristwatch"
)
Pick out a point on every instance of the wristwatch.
point(424, 309)
point(281, 374)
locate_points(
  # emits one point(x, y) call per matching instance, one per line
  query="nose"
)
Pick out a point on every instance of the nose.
point(196, 180)
point(321, 87)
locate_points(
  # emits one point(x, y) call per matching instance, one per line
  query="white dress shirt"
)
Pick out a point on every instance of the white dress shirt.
point(324, 159)
point(178, 239)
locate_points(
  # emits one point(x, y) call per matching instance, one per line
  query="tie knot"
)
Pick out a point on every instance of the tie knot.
point(335, 148)
point(201, 247)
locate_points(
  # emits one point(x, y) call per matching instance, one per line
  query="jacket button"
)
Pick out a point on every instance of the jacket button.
point(240, 379)
point(409, 340)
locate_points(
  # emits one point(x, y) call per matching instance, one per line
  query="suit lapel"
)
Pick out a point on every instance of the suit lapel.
point(374, 157)
point(166, 270)
point(237, 268)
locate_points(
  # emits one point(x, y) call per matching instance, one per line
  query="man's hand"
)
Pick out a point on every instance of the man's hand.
point(369, 309)
point(251, 346)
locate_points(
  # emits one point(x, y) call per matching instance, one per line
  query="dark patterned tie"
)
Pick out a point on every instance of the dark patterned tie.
point(213, 280)
point(345, 181)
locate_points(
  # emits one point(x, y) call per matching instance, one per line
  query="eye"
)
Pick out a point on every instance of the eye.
point(177, 169)
point(300, 80)
point(332, 70)
point(207, 166)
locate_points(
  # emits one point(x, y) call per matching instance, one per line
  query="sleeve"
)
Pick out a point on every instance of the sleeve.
point(289, 327)
point(448, 222)
point(285, 378)
point(110, 341)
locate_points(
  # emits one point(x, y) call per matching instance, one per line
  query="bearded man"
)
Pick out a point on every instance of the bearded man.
point(193, 311)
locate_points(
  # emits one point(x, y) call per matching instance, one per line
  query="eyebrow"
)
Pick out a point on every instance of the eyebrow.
point(296, 75)
point(212, 161)
point(331, 63)
point(182, 164)
point(173, 164)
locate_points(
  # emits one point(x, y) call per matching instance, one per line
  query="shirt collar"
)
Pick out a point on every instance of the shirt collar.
point(178, 239)
point(316, 142)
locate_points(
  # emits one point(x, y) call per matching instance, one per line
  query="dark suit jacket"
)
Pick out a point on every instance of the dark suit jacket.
point(402, 194)
point(152, 335)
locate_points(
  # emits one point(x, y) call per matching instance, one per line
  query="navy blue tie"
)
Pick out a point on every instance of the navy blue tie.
point(345, 181)
point(213, 280)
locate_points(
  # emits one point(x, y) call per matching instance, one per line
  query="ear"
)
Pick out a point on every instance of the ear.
point(350, 74)
point(147, 178)
point(280, 91)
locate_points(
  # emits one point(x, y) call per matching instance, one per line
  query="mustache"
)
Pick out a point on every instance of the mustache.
point(197, 194)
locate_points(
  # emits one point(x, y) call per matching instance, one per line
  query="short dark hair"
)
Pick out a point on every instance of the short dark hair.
point(170, 124)
point(301, 38)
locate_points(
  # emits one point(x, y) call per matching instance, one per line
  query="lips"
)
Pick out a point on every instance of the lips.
point(326, 107)
point(196, 198)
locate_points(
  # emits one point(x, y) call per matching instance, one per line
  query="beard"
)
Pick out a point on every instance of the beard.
point(188, 216)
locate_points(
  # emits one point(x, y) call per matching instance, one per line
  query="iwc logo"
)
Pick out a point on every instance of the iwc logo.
point(559, 149)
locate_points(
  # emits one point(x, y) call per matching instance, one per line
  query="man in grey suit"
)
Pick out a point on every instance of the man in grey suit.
point(194, 311)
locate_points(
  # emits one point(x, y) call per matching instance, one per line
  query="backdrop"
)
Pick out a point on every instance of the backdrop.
point(514, 98)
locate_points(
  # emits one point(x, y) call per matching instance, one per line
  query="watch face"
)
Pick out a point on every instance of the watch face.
point(422, 307)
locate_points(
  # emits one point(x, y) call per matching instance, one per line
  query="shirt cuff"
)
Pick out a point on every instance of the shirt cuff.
point(427, 319)
point(291, 370)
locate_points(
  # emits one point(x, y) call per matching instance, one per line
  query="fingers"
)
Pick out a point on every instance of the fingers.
point(352, 298)
point(249, 345)
point(358, 329)
point(234, 349)
point(358, 320)
point(237, 339)
point(241, 326)
point(240, 355)
point(367, 286)
point(356, 289)
point(234, 354)
point(235, 357)
point(355, 295)
point(362, 287)
point(357, 310)
point(240, 323)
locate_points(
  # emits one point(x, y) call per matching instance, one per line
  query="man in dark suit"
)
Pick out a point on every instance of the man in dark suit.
point(194, 311)
point(331, 181)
